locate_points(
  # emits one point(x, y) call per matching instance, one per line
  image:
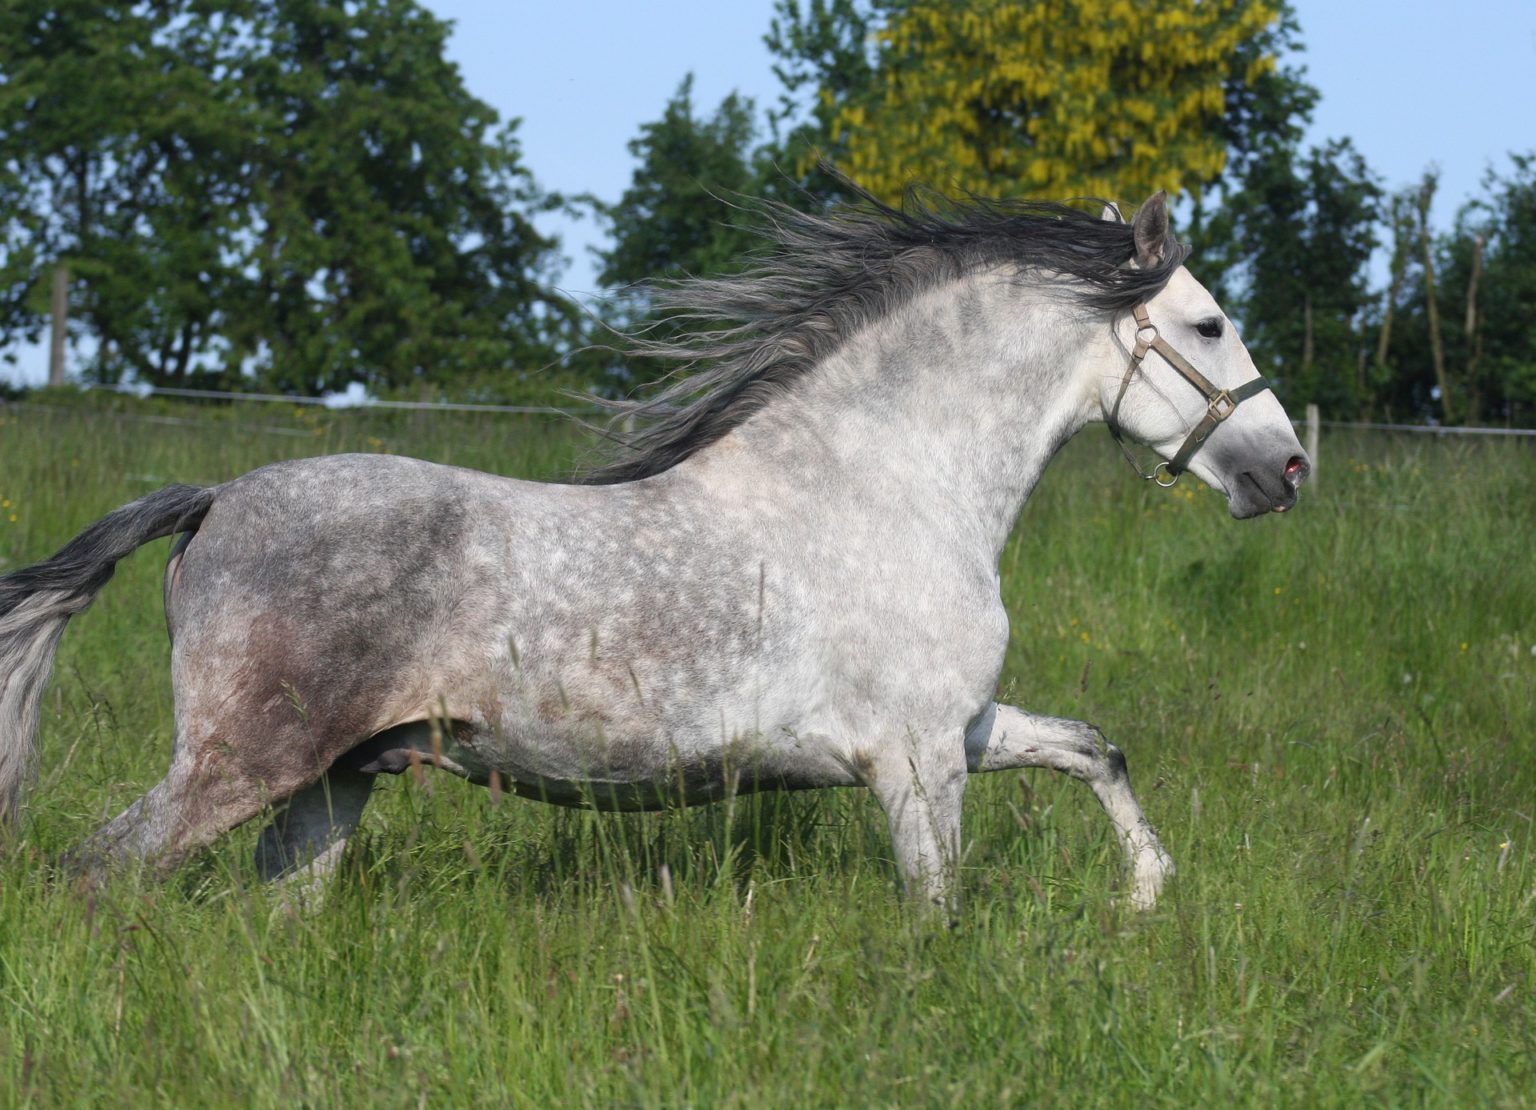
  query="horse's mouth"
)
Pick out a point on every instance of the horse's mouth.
point(1255, 494)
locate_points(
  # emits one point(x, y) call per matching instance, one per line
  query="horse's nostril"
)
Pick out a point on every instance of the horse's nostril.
point(1296, 470)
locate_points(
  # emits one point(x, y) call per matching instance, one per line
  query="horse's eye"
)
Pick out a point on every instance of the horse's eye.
point(1210, 329)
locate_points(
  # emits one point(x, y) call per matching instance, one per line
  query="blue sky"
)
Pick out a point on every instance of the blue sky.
point(1412, 82)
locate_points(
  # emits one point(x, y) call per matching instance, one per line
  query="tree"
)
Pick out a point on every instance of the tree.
point(1268, 104)
point(1383, 376)
point(112, 162)
point(1421, 205)
point(681, 215)
point(1485, 284)
point(1101, 97)
point(825, 61)
point(1506, 221)
point(290, 192)
point(1290, 246)
point(391, 237)
point(676, 217)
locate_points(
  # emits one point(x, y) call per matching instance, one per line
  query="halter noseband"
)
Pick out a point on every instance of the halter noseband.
point(1219, 403)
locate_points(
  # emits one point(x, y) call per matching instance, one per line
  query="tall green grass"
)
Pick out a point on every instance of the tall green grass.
point(1329, 715)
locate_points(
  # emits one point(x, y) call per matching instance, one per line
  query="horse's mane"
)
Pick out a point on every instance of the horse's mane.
point(821, 279)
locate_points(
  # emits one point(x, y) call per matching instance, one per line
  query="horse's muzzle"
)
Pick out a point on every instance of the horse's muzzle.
point(1261, 490)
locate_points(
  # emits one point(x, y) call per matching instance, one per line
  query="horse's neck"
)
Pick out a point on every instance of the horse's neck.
point(947, 411)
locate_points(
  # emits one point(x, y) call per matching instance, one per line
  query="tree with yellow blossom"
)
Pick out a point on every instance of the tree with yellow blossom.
point(1113, 98)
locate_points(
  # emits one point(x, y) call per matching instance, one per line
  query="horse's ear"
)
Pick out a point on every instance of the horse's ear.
point(1150, 230)
point(1111, 213)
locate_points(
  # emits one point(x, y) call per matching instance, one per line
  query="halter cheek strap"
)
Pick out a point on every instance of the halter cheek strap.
point(1219, 403)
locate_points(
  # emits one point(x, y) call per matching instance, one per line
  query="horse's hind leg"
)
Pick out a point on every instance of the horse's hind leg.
point(207, 792)
point(185, 811)
point(1006, 738)
point(308, 833)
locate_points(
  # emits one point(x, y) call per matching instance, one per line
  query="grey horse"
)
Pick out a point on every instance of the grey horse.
point(787, 579)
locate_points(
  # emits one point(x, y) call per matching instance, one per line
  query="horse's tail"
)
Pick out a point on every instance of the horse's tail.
point(36, 603)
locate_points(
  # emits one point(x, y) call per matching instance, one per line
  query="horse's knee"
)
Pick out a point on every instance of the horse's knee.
point(1098, 748)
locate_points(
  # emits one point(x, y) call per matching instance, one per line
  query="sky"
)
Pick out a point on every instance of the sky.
point(1414, 83)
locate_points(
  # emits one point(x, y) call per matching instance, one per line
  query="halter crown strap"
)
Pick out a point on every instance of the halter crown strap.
point(1220, 403)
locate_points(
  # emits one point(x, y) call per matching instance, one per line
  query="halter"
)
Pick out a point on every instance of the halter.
point(1220, 403)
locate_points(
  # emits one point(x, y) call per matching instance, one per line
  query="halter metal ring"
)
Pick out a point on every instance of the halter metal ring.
point(1222, 406)
point(1159, 470)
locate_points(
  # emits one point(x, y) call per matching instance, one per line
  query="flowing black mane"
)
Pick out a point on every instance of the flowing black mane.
point(825, 277)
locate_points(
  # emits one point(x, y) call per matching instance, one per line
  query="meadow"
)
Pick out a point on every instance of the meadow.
point(1330, 716)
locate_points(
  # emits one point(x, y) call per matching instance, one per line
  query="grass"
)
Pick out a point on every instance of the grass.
point(1330, 716)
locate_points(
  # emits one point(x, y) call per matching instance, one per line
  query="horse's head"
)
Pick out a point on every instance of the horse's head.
point(1188, 389)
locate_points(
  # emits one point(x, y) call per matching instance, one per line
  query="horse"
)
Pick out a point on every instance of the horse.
point(786, 578)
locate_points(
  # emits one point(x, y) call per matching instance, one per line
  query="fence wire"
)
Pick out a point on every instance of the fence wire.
point(341, 405)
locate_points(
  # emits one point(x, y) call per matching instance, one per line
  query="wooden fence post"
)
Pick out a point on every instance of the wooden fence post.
point(1314, 423)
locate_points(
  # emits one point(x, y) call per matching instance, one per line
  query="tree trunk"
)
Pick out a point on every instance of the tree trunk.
point(1432, 307)
point(1384, 340)
point(1474, 332)
point(57, 332)
point(1401, 246)
point(1307, 343)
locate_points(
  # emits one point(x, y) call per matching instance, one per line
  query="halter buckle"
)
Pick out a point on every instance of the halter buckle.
point(1220, 403)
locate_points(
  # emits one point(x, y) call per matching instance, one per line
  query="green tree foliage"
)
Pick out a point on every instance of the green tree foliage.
point(1287, 253)
point(1503, 341)
point(1266, 104)
point(389, 211)
point(114, 160)
point(1489, 337)
point(682, 213)
point(678, 217)
point(291, 188)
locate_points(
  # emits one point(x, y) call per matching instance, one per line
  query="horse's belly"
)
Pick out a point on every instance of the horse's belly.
point(579, 764)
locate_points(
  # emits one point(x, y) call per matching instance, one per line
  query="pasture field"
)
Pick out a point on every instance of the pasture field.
point(1331, 717)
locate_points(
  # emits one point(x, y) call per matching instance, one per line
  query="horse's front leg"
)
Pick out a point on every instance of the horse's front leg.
point(919, 778)
point(1005, 737)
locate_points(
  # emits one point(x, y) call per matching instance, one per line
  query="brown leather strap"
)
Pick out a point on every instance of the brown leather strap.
point(1218, 408)
point(1220, 403)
